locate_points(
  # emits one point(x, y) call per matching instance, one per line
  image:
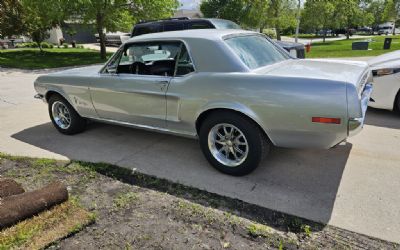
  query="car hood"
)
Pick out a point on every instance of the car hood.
point(391, 59)
point(336, 70)
point(82, 71)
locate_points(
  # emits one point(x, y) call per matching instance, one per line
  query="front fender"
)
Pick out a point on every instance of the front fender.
point(77, 95)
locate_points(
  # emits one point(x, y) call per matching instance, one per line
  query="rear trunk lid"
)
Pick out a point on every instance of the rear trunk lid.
point(352, 72)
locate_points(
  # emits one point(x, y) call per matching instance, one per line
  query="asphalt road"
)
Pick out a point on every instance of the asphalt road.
point(355, 187)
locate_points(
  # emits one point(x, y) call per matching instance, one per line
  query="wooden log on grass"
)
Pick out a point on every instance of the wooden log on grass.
point(9, 187)
point(22, 206)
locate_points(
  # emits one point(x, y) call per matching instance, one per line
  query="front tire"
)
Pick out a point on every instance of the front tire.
point(232, 143)
point(64, 117)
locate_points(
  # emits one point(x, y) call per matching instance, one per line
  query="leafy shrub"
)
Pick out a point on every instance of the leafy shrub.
point(19, 45)
point(65, 45)
point(46, 45)
point(270, 32)
point(26, 45)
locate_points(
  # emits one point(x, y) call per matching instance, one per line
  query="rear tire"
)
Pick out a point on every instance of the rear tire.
point(64, 117)
point(396, 106)
point(232, 143)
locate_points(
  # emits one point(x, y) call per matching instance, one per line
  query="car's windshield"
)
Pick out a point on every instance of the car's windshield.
point(224, 24)
point(255, 50)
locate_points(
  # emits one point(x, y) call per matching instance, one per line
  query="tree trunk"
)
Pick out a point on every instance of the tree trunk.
point(278, 32)
point(394, 27)
point(39, 44)
point(276, 17)
point(102, 36)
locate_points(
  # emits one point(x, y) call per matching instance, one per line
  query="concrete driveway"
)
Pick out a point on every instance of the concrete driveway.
point(355, 187)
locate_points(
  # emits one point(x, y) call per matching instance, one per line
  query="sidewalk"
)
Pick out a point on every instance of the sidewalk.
point(96, 46)
point(313, 40)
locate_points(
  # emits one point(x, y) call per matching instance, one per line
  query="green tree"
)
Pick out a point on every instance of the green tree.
point(350, 14)
point(113, 15)
point(234, 10)
point(319, 15)
point(278, 14)
point(11, 18)
point(40, 16)
point(281, 15)
point(391, 11)
point(376, 9)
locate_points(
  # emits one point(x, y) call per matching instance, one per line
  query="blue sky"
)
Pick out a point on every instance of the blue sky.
point(189, 4)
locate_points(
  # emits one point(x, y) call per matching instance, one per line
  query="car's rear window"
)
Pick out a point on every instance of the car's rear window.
point(224, 24)
point(255, 50)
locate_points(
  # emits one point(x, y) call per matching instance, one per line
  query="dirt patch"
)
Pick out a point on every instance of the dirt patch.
point(9, 187)
point(139, 211)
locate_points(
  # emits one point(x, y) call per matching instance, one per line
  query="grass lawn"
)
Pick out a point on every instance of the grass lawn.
point(50, 58)
point(43, 229)
point(342, 48)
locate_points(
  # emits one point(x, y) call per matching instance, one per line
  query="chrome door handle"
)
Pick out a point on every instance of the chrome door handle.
point(163, 84)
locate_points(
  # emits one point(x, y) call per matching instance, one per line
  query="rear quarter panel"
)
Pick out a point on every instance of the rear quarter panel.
point(283, 107)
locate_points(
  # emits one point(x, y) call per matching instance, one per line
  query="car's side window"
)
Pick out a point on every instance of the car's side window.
point(184, 64)
point(149, 58)
point(112, 65)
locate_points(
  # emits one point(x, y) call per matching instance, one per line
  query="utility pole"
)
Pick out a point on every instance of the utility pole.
point(298, 22)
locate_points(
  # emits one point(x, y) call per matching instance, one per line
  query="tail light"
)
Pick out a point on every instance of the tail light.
point(326, 120)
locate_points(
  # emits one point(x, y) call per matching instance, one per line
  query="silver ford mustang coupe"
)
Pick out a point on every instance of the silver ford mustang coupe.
point(234, 90)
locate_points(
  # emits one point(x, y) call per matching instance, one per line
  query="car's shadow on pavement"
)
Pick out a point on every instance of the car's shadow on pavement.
point(299, 182)
point(382, 118)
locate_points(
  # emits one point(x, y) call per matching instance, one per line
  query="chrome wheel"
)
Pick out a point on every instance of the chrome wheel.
point(228, 144)
point(61, 115)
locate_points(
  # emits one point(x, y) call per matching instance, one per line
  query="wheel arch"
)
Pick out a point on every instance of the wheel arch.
point(52, 92)
point(396, 103)
point(205, 113)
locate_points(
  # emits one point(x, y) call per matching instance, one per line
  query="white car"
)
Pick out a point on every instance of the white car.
point(386, 72)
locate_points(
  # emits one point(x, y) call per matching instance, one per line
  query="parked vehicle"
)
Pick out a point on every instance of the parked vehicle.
point(116, 38)
point(325, 32)
point(184, 23)
point(385, 31)
point(365, 30)
point(386, 72)
point(236, 91)
point(386, 28)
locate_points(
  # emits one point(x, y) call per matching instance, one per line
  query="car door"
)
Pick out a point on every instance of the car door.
point(180, 95)
point(131, 90)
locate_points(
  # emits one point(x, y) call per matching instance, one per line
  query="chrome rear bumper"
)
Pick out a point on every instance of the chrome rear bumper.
point(356, 124)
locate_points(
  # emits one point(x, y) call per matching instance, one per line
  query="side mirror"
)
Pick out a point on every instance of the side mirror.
point(111, 69)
